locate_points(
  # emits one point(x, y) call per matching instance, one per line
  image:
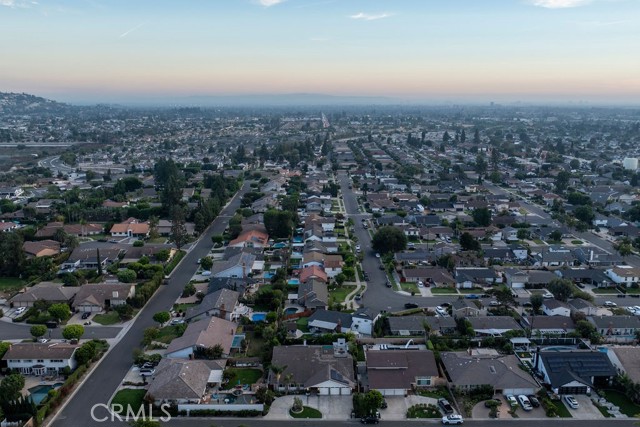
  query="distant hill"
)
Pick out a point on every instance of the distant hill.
point(23, 103)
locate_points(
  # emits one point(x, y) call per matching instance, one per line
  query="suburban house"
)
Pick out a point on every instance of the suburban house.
point(50, 292)
point(101, 296)
point(333, 265)
point(493, 326)
point(516, 278)
point(407, 325)
point(624, 275)
point(463, 307)
point(544, 326)
point(239, 265)
point(326, 370)
point(578, 305)
point(313, 272)
point(205, 333)
point(87, 258)
point(591, 276)
point(178, 381)
point(327, 321)
point(250, 239)
point(397, 372)
point(435, 276)
point(313, 294)
point(574, 372)
point(220, 303)
point(130, 228)
point(41, 248)
point(553, 307)
point(466, 372)
point(40, 359)
point(625, 360)
point(468, 277)
point(616, 328)
point(362, 321)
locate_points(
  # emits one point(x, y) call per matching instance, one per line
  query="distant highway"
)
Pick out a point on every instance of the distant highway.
point(56, 165)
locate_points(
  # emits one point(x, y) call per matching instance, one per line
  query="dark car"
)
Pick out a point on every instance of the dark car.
point(410, 305)
point(366, 276)
point(388, 285)
point(534, 401)
point(369, 420)
point(472, 296)
point(384, 405)
point(621, 296)
point(381, 267)
point(634, 295)
point(85, 315)
point(445, 406)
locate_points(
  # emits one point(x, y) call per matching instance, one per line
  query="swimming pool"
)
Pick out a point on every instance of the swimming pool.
point(290, 310)
point(258, 317)
point(558, 348)
point(38, 393)
point(293, 282)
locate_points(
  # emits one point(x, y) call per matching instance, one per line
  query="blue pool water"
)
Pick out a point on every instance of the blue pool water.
point(558, 348)
point(258, 317)
point(38, 393)
point(290, 310)
point(294, 282)
point(268, 275)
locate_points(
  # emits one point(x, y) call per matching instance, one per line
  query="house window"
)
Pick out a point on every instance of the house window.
point(423, 381)
point(40, 361)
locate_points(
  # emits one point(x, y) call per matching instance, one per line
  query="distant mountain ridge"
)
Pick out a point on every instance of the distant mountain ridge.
point(24, 103)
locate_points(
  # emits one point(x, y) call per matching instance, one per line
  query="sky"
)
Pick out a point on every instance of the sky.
point(408, 50)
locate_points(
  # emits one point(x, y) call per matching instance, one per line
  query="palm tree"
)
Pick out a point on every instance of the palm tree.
point(277, 371)
point(287, 379)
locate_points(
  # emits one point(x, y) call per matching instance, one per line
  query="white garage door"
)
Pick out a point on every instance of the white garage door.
point(392, 392)
point(517, 391)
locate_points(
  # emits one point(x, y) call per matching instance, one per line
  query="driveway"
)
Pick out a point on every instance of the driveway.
point(586, 411)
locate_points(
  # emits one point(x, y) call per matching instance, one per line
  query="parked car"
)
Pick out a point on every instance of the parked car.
point(388, 285)
point(610, 304)
point(494, 303)
point(369, 420)
point(20, 310)
point(366, 276)
point(571, 401)
point(358, 248)
point(511, 400)
point(411, 305)
point(384, 405)
point(377, 255)
point(534, 401)
point(452, 419)
point(547, 295)
point(85, 315)
point(472, 296)
point(524, 402)
point(621, 296)
point(358, 297)
point(147, 372)
point(445, 406)
point(87, 323)
point(43, 340)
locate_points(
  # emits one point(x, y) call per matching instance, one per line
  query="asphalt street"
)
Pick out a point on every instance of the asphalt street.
point(16, 331)
point(55, 165)
point(101, 384)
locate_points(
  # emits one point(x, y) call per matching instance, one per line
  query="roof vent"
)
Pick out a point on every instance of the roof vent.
point(492, 369)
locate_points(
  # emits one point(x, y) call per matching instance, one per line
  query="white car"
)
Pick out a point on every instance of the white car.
point(358, 248)
point(631, 310)
point(452, 419)
point(525, 402)
point(21, 310)
point(547, 295)
point(610, 304)
point(571, 401)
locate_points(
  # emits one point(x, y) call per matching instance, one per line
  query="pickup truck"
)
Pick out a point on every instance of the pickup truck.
point(445, 406)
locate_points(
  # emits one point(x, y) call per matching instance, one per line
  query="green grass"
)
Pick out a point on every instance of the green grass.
point(129, 397)
point(303, 324)
point(577, 242)
point(110, 318)
point(8, 283)
point(307, 412)
point(168, 334)
point(182, 307)
point(471, 291)
point(436, 394)
point(423, 411)
point(621, 400)
point(157, 240)
point(562, 410)
point(633, 291)
point(603, 410)
point(538, 241)
point(242, 376)
point(254, 344)
point(409, 287)
point(340, 293)
point(444, 291)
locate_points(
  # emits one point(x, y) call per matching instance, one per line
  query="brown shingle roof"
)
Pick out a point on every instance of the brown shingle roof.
point(40, 351)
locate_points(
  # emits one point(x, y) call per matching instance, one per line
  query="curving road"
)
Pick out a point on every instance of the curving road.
point(18, 331)
point(102, 383)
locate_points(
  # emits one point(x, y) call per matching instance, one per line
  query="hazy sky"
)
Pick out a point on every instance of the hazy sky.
point(529, 50)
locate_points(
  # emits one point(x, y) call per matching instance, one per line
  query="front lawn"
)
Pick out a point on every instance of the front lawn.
point(110, 318)
point(307, 412)
point(410, 287)
point(605, 291)
point(169, 333)
point(242, 376)
point(471, 291)
point(339, 294)
point(181, 308)
point(128, 398)
point(423, 410)
point(444, 291)
point(621, 400)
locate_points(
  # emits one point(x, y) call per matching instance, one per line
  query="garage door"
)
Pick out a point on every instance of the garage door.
point(573, 390)
point(392, 392)
point(518, 391)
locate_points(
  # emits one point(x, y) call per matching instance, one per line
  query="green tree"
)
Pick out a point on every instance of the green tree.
point(4, 347)
point(149, 335)
point(468, 242)
point(561, 289)
point(11, 387)
point(523, 234)
point(536, 302)
point(584, 214)
point(86, 352)
point(482, 216)
point(12, 256)
point(38, 331)
point(562, 181)
point(60, 311)
point(162, 317)
point(163, 255)
point(389, 239)
point(127, 276)
point(72, 332)
point(279, 224)
point(178, 228)
point(206, 263)
point(586, 330)
point(555, 236)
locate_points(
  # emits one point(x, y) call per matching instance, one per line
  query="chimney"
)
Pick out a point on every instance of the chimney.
point(535, 366)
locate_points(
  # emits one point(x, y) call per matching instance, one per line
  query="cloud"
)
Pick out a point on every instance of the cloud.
point(15, 4)
point(369, 16)
point(269, 3)
point(559, 4)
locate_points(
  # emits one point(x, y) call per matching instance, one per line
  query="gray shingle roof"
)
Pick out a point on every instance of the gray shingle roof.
point(500, 372)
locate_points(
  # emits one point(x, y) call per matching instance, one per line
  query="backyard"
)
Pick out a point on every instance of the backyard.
point(8, 284)
point(303, 324)
point(241, 376)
